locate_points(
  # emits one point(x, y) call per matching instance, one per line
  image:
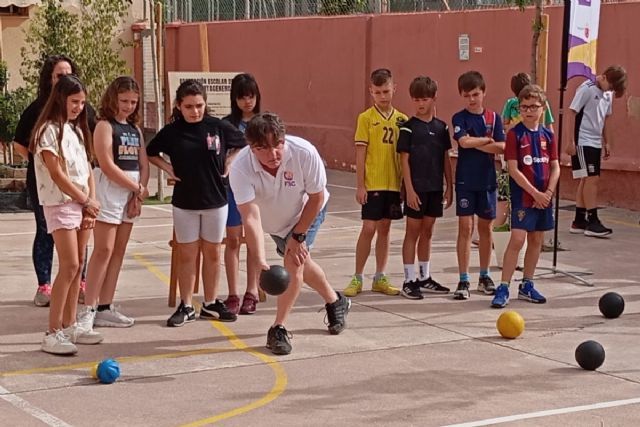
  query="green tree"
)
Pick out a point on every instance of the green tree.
point(89, 37)
point(537, 29)
point(12, 103)
point(342, 7)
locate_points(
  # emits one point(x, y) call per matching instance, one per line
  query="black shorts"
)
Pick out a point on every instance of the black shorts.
point(586, 162)
point(431, 205)
point(382, 205)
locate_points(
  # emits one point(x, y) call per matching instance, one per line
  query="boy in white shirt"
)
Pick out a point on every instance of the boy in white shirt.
point(591, 107)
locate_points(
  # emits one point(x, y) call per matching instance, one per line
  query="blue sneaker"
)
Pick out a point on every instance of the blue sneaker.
point(501, 297)
point(528, 293)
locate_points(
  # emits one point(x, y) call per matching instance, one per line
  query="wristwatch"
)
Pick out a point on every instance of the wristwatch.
point(299, 237)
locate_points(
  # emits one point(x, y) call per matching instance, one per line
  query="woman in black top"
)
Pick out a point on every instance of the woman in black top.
point(54, 67)
point(198, 146)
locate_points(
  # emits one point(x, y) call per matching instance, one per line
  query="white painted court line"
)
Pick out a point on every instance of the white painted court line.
point(26, 233)
point(341, 186)
point(158, 208)
point(547, 413)
point(28, 408)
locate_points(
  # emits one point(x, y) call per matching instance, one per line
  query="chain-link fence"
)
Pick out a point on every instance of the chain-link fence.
point(224, 10)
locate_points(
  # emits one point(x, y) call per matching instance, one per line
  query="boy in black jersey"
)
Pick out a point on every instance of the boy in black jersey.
point(424, 145)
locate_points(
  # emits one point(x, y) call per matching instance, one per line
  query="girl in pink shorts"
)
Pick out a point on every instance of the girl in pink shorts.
point(61, 147)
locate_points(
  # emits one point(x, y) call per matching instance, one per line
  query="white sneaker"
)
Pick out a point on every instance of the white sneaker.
point(57, 342)
point(79, 335)
point(112, 319)
point(85, 317)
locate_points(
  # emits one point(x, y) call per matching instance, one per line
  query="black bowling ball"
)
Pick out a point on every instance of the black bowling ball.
point(275, 280)
point(590, 355)
point(611, 305)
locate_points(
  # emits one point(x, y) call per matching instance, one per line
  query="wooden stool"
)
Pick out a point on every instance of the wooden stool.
point(173, 276)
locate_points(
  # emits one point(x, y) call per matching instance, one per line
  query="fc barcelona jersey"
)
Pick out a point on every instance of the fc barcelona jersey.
point(534, 150)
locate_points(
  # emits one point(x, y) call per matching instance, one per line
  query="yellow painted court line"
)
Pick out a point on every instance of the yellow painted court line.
point(279, 385)
point(126, 359)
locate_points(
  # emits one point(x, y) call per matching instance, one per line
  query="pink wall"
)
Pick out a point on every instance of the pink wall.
point(314, 71)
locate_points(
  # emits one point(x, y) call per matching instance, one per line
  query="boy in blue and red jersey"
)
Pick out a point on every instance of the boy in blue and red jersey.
point(532, 158)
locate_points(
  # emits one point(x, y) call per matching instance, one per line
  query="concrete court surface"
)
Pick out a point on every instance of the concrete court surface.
point(400, 362)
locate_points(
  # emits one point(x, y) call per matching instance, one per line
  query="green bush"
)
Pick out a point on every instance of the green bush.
point(12, 104)
point(87, 37)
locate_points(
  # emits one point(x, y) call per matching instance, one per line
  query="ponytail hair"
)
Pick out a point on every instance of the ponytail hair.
point(187, 88)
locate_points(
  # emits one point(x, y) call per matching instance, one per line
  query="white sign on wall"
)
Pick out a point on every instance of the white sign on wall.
point(463, 47)
point(217, 85)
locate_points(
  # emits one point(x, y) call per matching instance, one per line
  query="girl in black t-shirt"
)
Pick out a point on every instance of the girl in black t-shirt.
point(121, 176)
point(198, 146)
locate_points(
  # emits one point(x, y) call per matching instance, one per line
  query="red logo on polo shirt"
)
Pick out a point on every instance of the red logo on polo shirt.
point(288, 179)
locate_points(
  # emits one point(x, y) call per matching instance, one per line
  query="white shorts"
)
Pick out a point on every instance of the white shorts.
point(206, 224)
point(113, 198)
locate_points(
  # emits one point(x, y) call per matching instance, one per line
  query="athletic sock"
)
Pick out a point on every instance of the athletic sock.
point(378, 276)
point(409, 273)
point(581, 214)
point(484, 273)
point(103, 307)
point(358, 276)
point(464, 277)
point(423, 267)
point(209, 302)
point(592, 215)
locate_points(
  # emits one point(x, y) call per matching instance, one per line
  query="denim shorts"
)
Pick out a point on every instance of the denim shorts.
point(233, 217)
point(311, 233)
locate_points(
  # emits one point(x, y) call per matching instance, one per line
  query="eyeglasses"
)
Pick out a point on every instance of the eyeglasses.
point(533, 107)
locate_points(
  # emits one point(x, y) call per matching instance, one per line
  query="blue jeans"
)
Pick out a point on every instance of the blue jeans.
point(311, 233)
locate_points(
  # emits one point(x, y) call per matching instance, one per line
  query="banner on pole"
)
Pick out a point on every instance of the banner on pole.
point(583, 38)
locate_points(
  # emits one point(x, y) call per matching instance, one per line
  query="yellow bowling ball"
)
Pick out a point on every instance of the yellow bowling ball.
point(510, 324)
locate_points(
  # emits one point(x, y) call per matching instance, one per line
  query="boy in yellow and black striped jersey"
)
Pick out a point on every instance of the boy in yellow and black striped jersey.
point(378, 180)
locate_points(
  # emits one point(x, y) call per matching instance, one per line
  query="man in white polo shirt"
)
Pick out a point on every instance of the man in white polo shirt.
point(279, 183)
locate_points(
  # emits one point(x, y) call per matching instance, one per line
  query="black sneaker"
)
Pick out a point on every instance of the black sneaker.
point(336, 314)
point(411, 290)
point(217, 311)
point(486, 286)
point(462, 291)
point(430, 286)
point(278, 340)
point(596, 229)
point(182, 315)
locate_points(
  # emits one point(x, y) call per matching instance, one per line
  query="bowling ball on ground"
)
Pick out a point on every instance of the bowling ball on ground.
point(590, 355)
point(108, 371)
point(510, 324)
point(611, 305)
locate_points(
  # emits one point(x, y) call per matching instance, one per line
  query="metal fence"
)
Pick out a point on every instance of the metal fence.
point(224, 10)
